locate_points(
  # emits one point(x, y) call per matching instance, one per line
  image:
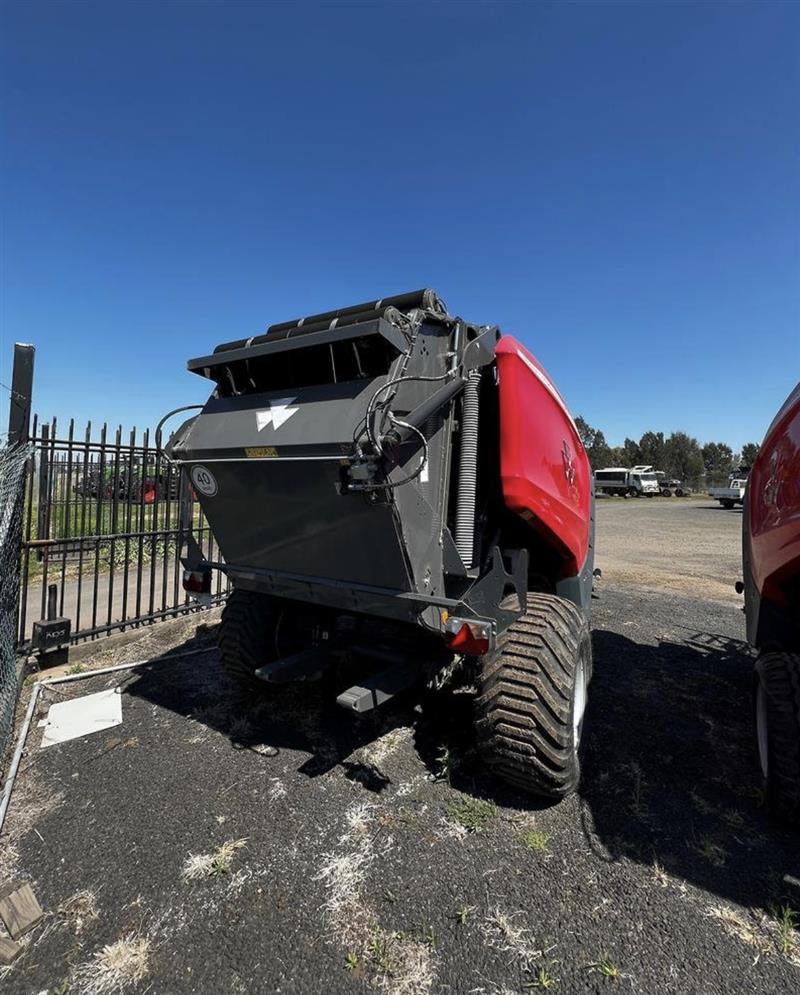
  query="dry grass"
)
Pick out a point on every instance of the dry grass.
point(771, 934)
point(383, 747)
point(116, 967)
point(409, 970)
point(782, 927)
point(393, 962)
point(205, 865)
point(343, 875)
point(78, 910)
point(504, 933)
point(31, 802)
point(739, 926)
point(451, 830)
point(660, 876)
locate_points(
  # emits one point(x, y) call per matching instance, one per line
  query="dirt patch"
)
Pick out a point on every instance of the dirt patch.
point(686, 547)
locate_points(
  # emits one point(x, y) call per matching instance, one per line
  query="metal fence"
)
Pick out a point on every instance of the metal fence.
point(102, 524)
point(13, 462)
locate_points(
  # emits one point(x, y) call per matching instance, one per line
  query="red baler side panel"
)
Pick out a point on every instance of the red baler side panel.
point(545, 472)
point(774, 504)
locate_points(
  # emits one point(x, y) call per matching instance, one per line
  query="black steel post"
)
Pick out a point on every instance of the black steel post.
point(52, 601)
point(19, 415)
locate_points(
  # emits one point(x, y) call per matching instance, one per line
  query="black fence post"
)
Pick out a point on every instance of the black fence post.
point(19, 415)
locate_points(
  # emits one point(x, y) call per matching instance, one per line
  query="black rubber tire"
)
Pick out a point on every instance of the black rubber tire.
point(727, 504)
point(246, 637)
point(526, 698)
point(777, 675)
point(679, 492)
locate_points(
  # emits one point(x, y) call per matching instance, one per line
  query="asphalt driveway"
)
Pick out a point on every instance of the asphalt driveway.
point(205, 847)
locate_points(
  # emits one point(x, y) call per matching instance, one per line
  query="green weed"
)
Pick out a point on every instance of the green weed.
point(472, 813)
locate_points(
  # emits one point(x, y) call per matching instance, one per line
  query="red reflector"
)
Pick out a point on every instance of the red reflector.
point(197, 581)
point(468, 642)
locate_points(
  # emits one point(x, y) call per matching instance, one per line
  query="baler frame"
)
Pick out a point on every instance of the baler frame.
point(430, 531)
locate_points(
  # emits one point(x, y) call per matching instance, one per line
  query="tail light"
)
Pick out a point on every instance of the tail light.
point(468, 636)
point(197, 581)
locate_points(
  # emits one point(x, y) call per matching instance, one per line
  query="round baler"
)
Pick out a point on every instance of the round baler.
point(401, 496)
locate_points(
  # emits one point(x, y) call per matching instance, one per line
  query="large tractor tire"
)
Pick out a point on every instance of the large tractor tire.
point(777, 720)
point(247, 637)
point(532, 695)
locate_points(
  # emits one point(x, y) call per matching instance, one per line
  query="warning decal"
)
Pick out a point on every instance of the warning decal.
point(204, 480)
point(260, 452)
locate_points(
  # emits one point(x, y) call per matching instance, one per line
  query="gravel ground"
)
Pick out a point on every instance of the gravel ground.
point(199, 848)
point(690, 546)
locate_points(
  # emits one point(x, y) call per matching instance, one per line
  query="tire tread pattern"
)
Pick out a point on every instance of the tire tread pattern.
point(525, 699)
point(779, 674)
point(245, 637)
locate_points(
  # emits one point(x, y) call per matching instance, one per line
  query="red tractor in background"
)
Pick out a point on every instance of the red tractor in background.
point(771, 563)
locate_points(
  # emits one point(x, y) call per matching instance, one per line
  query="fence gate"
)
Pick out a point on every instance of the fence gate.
point(101, 523)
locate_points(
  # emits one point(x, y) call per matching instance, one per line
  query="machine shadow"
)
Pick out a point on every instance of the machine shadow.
point(670, 777)
point(305, 718)
point(302, 717)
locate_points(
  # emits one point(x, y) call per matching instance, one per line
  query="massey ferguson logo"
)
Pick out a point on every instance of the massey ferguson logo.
point(279, 411)
point(569, 463)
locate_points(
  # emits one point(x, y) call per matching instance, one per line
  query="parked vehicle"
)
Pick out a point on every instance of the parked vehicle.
point(401, 497)
point(671, 487)
point(771, 566)
point(732, 494)
point(641, 481)
point(128, 482)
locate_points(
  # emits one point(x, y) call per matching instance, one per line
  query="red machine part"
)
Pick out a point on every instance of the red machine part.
point(773, 504)
point(545, 472)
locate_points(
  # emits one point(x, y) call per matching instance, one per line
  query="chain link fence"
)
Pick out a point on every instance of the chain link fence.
point(12, 487)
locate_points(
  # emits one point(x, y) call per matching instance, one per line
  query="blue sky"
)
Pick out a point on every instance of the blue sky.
point(616, 184)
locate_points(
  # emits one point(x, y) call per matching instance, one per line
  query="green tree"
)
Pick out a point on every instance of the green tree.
point(594, 442)
point(717, 461)
point(652, 449)
point(683, 458)
point(631, 453)
point(749, 453)
point(585, 431)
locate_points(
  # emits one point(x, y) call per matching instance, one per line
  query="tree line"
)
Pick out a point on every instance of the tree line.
point(679, 455)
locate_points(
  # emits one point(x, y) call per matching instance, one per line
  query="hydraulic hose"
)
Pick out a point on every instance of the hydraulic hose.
point(468, 471)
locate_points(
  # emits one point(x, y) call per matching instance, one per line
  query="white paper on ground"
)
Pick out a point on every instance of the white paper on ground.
point(80, 716)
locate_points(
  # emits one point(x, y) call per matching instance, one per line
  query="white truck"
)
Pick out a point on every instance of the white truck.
point(733, 494)
point(640, 481)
